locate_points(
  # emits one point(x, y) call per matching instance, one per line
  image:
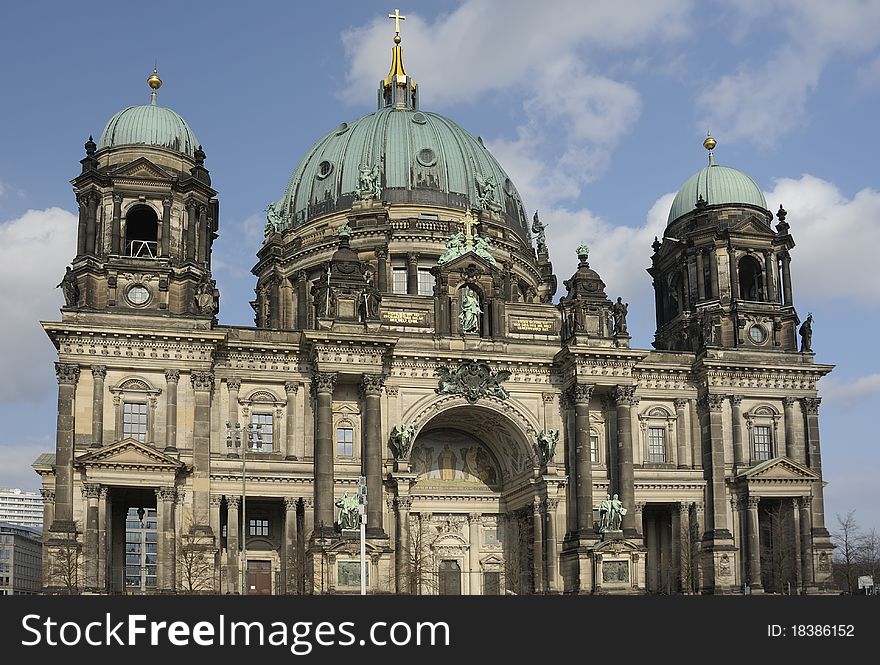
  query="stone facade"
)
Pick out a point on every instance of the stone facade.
point(487, 447)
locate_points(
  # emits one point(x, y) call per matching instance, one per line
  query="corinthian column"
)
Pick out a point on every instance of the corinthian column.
point(172, 377)
point(626, 399)
point(99, 373)
point(290, 388)
point(203, 385)
point(581, 394)
point(371, 388)
point(67, 376)
point(814, 458)
point(324, 384)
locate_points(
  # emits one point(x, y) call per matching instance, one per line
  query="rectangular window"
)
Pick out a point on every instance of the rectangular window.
point(266, 430)
point(657, 444)
point(398, 280)
point(134, 421)
point(426, 282)
point(594, 448)
point(345, 442)
point(258, 527)
point(762, 443)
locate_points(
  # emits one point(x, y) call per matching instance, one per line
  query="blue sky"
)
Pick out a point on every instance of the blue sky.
point(596, 109)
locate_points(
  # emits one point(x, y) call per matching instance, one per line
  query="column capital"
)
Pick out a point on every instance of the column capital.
point(475, 518)
point(325, 382)
point(290, 502)
point(48, 495)
point(684, 507)
point(99, 372)
point(308, 502)
point(708, 403)
point(753, 502)
point(172, 375)
point(548, 397)
point(233, 501)
point(805, 502)
point(291, 387)
point(233, 384)
point(640, 506)
point(202, 380)
point(91, 490)
point(372, 384)
point(216, 499)
point(735, 400)
point(580, 393)
point(412, 257)
point(811, 405)
point(404, 503)
point(680, 403)
point(391, 391)
point(626, 395)
point(67, 374)
point(552, 504)
point(789, 402)
point(181, 496)
point(381, 252)
point(169, 494)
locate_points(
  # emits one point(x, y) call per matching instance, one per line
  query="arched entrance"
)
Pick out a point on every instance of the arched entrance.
point(471, 470)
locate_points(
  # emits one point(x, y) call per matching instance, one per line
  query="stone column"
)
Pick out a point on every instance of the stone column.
point(290, 389)
point(736, 416)
point(289, 550)
point(412, 273)
point(734, 272)
point(309, 518)
point(103, 525)
point(713, 273)
point(681, 434)
point(324, 384)
point(475, 520)
point(202, 385)
point(770, 276)
point(233, 530)
point(233, 386)
point(91, 222)
point(626, 399)
point(796, 537)
point(165, 571)
point(401, 546)
point(711, 425)
point(216, 500)
point(302, 300)
point(99, 373)
point(190, 235)
point(165, 234)
point(806, 536)
point(116, 226)
point(172, 377)
point(810, 406)
point(552, 547)
point(382, 269)
point(538, 544)
point(152, 405)
point(685, 545)
point(675, 545)
point(794, 445)
point(639, 518)
point(696, 436)
point(67, 376)
point(701, 279)
point(754, 545)
point(82, 203)
point(786, 279)
point(90, 493)
point(581, 394)
point(371, 389)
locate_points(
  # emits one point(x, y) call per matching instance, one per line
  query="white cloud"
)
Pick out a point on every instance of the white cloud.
point(767, 96)
point(836, 239)
point(34, 250)
point(869, 75)
point(845, 392)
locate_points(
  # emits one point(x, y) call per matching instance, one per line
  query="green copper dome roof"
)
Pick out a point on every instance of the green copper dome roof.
point(717, 185)
point(423, 158)
point(149, 125)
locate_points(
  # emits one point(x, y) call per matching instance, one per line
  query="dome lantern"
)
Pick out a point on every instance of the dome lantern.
point(398, 90)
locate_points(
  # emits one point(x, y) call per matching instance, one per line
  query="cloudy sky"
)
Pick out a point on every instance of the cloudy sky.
point(596, 109)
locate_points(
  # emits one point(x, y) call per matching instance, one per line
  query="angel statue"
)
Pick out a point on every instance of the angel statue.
point(402, 440)
point(348, 515)
point(538, 230)
point(486, 192)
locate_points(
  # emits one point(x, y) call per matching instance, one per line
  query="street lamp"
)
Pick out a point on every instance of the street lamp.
point(238, 437)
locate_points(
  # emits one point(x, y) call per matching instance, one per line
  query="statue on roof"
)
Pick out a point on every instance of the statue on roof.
point(369, 183)
point(486, 193)
point(275, 220)
point(806, 333)
point(538, 230)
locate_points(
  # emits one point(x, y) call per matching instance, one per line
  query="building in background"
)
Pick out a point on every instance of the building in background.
point(20, 507)
point(406, 330)
point(21, 557)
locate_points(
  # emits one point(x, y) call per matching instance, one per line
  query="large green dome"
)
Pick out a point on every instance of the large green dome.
point(717, 185)
point(151, 125)
point(424, 159)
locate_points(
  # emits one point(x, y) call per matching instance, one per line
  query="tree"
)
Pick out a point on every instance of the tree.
point(690, 554)
point(778, 549)
point(869, 557)
point(65, 561)
point(519, 555)
point(196, 560)
point(421, 569)
point(849, 541)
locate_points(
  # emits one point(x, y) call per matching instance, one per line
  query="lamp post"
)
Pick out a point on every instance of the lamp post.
point(362, 519)
point(238, 437)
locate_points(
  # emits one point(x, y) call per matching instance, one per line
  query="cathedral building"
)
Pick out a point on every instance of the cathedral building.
point(410, 342)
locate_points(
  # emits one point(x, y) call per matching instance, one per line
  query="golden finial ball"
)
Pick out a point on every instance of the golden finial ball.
point(397, 38)
point(154, 81)
point(709, 143)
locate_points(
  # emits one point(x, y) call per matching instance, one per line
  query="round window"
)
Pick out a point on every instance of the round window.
point(426, 157)
point(419, 118)
point(138, 295)
point(757, 334)
point(325, 168)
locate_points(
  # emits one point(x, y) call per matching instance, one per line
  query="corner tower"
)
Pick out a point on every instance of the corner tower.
point(147, 219)
point(721, 272)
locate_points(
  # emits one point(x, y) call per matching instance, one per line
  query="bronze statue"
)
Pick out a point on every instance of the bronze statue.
point(69, 288)
point(619, 311)
point(806, 332)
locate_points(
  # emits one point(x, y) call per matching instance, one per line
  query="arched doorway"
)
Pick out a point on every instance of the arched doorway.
point(471, 466)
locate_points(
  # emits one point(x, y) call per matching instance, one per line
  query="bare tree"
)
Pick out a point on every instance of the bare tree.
point(849, 541)
point(778, 549)
point(869, 557)
point(196, 560)
point(519, 553)
point(65, 562)
point(421, 569)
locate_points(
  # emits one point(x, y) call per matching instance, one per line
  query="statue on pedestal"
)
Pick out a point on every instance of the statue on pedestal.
point(806, 333)
point(469, 318)
point(619, 311)
point(347, 517)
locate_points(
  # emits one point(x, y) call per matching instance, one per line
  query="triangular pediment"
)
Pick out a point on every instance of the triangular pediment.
point(779, 469)
point(130, 453)
point(753, 225)
point(464, 262)
point(142, 168)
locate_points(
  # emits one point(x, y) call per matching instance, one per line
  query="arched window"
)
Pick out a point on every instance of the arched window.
point(751, 279)
point(141, 232)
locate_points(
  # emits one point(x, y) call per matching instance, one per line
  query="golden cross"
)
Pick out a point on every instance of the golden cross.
point(469, 223)
point(397, 19)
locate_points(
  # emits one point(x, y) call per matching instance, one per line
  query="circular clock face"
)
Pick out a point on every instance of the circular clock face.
point(138, 295)
point(758, 334)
